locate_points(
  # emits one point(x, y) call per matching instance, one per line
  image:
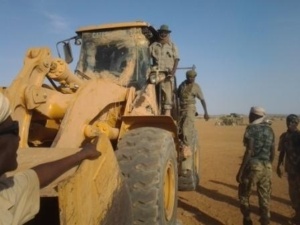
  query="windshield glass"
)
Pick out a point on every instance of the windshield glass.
point(121, 55)
point(112, 57)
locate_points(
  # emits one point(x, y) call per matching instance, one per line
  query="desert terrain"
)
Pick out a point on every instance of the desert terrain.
point(215, 201)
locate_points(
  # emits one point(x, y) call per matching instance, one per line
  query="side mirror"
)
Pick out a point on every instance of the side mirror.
point(68, 52)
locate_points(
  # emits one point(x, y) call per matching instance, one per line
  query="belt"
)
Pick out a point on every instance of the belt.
point(185, 105)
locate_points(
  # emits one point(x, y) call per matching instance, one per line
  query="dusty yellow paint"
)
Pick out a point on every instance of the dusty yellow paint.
point(36, 65)
point(59, 118)
point(113, 25)
point(88, 196)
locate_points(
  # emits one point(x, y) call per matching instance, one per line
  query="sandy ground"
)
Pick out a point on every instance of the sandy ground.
point(215, 201)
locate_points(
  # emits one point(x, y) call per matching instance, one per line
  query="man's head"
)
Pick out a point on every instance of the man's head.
point(257, 114)
point(292, 122)
point(164, 31)
point(9, 138)
point(191, 75)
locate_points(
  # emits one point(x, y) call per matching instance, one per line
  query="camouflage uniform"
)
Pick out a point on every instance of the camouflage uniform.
point(187, 92)
point(258, 170)
point(164, 56)
point(289, 146)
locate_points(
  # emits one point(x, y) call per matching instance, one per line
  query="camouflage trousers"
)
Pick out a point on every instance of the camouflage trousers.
point(187, 124)
point(257, 174)
point(294, 191)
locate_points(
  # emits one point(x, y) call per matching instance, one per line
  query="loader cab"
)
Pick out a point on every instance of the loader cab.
point(119, 52)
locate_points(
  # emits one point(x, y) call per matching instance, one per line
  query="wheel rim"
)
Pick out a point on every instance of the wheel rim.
point(169, 190)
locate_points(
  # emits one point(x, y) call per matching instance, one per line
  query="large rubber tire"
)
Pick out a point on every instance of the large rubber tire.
point(147, 158)
point(189, 180)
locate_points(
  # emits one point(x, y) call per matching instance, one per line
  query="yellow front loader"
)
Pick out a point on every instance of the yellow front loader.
point(111, 97)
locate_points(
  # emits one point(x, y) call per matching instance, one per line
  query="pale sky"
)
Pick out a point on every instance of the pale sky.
point(246, 52)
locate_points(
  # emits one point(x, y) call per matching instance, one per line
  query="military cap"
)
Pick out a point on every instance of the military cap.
point(191, 73)
point(257, 110)
point(164, 27)
point(292, 118)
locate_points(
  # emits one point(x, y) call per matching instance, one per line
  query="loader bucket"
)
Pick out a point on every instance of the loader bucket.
point(96, 193)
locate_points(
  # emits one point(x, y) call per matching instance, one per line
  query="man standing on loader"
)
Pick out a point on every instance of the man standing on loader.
point(165, 57)
point(187, 92)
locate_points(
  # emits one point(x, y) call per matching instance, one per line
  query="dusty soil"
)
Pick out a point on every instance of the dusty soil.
point(215, 201)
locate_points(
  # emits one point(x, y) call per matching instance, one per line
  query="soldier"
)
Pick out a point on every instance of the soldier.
point(19, 194)
point(187, 91)
point(165, 57)
point(289, 148)
point(256, 167)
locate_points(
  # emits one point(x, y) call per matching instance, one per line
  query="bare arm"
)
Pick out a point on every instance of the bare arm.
point(174, 67)
point(47, 172)
point(203, 103)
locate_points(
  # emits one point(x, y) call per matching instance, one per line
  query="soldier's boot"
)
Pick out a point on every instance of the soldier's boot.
point(247, 221)
point(264, 221)
point(296, 218)
point(246, 213)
